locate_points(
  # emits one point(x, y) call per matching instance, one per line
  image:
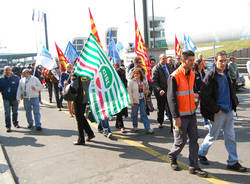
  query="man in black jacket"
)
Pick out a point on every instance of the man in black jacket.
point(218, 99)
point(159, 81)
point(80, 86)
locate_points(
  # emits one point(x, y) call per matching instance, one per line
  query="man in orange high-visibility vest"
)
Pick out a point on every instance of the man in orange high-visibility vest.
point(181, 100)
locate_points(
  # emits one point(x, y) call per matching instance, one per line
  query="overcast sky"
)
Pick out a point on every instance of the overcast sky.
point(69, 19)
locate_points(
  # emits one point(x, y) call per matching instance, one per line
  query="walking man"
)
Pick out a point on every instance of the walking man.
point(159, 81)
point(8, 87)
point(28, 90)
point(218, 99)
point(181, 101)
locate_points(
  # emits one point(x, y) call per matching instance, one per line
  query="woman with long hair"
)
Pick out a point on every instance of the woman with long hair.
point(137, 90)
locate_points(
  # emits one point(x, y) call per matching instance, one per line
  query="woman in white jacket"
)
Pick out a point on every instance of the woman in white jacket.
point(28, 90)
point(137, 90)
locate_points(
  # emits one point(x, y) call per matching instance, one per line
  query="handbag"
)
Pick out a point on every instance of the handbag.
point(149, 104)
point(68, 95)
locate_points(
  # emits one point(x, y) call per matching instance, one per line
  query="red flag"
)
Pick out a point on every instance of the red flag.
point(93, 28)
point(178, 51)
point(63, 60)
point(141, 51)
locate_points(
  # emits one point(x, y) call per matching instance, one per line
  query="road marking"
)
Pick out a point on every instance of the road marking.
point(152, 152)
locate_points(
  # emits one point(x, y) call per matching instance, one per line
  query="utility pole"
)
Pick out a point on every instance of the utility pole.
point(153, 24)
point(46, 32)
point(145, 19)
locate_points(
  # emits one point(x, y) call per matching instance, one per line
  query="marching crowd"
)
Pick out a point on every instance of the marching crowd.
point(179, 86)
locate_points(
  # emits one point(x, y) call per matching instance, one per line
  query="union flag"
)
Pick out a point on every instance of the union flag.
point(141, 51)
point(63, 60)
point(93, 28)
point(178, 51)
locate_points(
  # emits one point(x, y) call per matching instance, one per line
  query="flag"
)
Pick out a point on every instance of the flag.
point(119, 46)
point(178, 51)
point(70, 53)
point(62, 58)
point(189, 44)
point(93, 28)
point(107, 94)
point(45, 59)
point(141, 51)
point(112, 52)
point(33, 15)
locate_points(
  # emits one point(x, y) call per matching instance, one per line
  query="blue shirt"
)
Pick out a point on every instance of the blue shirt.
point(165, 68)
point(224, 99)
point(9, 86)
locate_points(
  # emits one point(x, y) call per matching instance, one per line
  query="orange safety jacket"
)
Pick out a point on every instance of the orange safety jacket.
point(185, 93)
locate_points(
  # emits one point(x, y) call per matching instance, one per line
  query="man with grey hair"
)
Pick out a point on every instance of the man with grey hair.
point(8, 87)
point(159, 81)
point(28, 90)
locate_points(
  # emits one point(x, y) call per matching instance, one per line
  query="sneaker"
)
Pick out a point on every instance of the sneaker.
point(206, 127)
point(160, 126)
point(135, 129)
point(123, 130)
point(39, 128)
point(78, 143)
point(198, 172)
point(203, 160)
point(150, 131)
point(174, 164)
point(30, 126)
point(237, 167)
point(59, 109)
point(109, 135)
point(90, 137)
point(17, 126)
point(8, 130)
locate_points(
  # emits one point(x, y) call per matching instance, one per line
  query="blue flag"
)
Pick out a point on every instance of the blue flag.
point(189, 44)
point(112, 52)
point(70, 53)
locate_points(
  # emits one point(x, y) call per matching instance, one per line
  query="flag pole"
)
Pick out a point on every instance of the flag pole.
point(46, 31)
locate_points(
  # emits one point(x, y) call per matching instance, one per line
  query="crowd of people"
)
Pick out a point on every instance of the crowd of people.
point(180, 87)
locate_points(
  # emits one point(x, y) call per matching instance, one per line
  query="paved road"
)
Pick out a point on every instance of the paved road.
point(49, 156)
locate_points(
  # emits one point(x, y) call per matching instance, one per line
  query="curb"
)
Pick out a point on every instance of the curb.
point(6, 176)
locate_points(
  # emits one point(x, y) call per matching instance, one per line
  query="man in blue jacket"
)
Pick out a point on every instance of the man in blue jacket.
point(8, 87)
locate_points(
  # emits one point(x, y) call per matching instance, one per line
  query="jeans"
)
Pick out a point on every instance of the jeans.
point(105, 126)
point(144, 117)
point(7, 104)
point(225, 122)
point(29, 105)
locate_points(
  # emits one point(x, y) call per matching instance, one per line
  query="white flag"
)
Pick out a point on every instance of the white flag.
point(45, 59)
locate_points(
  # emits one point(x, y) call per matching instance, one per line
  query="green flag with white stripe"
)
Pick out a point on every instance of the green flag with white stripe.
point(107, 94)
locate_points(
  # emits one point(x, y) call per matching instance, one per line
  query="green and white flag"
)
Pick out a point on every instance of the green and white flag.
point(107, 94)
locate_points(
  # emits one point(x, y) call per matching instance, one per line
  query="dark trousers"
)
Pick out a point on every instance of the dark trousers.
point(234, 83)
point(82, 123)
point(56, 92)
point(49, 84)
point(188, 128)
point(119, 119)
point(162, 106)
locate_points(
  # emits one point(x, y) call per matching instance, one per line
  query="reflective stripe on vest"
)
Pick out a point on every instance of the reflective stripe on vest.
point(185, 93)
point(182, 93)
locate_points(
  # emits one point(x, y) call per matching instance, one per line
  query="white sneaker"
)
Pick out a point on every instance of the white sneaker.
point(207, 127)
point(109, 135)
point(150, 131)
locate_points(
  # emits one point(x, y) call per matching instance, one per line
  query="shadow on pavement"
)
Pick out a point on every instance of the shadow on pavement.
point(17, 141)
